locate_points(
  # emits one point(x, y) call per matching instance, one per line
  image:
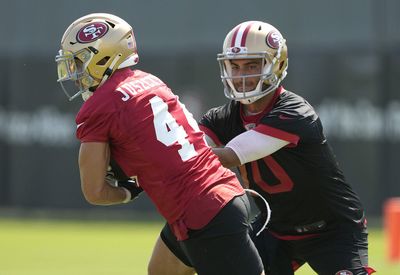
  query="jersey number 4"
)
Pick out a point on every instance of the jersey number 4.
point(169, 132)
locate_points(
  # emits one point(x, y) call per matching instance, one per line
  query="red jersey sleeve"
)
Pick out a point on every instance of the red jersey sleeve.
point(93, 126)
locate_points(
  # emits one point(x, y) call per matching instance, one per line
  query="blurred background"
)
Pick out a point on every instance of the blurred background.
point(344, 58)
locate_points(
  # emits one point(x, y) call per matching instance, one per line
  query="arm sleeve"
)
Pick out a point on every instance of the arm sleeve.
point(252, 145)
point(210, 141)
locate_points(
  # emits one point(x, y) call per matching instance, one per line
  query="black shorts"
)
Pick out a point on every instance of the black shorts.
point(342, 249)
point(223, 246)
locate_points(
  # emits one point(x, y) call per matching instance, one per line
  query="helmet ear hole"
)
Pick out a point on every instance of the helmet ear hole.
point(103, 61)
point(281, 65)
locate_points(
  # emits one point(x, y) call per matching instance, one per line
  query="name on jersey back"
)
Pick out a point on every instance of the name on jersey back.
point(136, 86)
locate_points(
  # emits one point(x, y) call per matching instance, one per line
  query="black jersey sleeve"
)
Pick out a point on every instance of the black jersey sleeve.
point(292, 119)
point(222, 123)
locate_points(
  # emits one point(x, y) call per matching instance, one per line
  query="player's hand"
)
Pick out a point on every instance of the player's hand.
point(132, 186)
point(116, 177)
point(110, 177)
point(115, 174)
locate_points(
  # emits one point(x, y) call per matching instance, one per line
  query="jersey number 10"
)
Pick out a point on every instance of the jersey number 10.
point(273, 172)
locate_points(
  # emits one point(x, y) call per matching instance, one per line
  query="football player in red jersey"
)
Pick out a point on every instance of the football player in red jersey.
point(132, 118)
point(276, 140)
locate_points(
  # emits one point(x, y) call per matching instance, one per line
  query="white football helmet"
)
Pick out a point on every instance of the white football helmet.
point(92, 48)
point(254, 40)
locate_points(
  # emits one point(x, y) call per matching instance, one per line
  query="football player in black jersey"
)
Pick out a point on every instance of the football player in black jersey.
point(276, 140)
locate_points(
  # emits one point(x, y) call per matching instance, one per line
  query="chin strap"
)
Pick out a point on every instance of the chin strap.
point(109, 70)
point(267, 207)
point(133, 60)
point(86, 94)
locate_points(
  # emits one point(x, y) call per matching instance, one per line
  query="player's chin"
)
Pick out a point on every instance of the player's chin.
point(245, 89)
point(241, 90)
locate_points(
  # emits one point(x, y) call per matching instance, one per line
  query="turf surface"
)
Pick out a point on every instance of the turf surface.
point(49, 247)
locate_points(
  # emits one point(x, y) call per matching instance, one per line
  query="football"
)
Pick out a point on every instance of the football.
point(115, 173)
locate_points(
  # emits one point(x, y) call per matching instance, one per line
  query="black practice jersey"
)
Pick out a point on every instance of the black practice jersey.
point(302, 182)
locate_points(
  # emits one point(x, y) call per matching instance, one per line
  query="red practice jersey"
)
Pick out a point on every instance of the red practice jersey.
point(152, 136)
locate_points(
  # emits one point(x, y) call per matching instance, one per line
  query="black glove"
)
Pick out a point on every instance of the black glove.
point(132, 186)
point(116, 177)
point(115, 172)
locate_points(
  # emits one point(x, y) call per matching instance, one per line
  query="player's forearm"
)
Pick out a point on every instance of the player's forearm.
point(105, 195)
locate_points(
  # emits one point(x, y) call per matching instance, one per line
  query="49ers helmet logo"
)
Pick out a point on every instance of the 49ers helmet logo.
point(273, 39)
point(91, 32)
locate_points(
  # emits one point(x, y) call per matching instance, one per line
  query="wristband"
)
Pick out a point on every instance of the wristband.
point(128, 195)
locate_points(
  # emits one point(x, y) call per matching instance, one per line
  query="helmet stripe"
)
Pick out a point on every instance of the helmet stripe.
point(234, 36)
point(240, 34)
point(246, 31)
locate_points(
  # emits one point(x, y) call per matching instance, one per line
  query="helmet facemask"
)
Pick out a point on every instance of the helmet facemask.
point(73, 67)
point(268, 82)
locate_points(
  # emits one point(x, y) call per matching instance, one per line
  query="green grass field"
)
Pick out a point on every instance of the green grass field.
point(48, 247)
